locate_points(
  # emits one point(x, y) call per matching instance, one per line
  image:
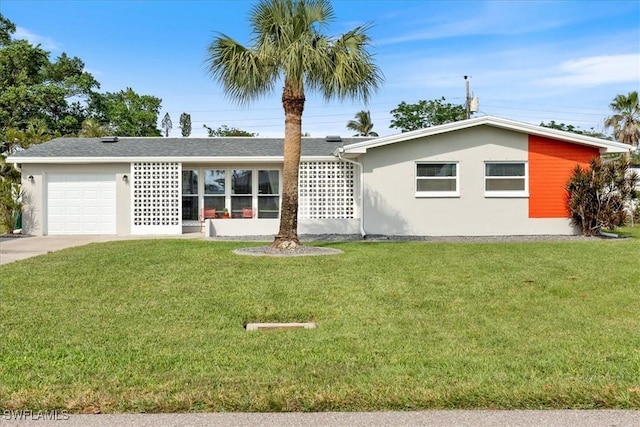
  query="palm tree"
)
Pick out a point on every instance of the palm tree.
point(289, 49)
point(362, 124)
point(91, 128)
point(626, 120)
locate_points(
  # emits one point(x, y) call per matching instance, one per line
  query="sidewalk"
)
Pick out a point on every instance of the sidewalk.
point(484, 418)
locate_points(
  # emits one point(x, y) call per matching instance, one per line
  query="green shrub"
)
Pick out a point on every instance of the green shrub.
point(10, 204)
point(598, 194)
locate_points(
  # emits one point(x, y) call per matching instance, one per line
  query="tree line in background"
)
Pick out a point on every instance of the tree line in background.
point(42, 98)
point(624, 122)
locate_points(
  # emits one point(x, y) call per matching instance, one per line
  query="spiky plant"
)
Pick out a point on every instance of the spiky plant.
point(598, 195)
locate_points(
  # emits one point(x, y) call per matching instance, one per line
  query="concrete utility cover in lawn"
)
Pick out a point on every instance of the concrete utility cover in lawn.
point(273, 326)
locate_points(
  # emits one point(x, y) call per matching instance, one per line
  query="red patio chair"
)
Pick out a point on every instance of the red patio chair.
point(247, 213)
point(207, 213)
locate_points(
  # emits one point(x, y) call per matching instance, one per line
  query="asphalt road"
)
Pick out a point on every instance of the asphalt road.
point(550, 418)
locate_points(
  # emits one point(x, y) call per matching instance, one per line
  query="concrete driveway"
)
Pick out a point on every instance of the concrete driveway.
point(17, 248)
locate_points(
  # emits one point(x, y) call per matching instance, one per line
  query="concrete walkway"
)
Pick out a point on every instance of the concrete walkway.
point(483, 418)
point(18, 248)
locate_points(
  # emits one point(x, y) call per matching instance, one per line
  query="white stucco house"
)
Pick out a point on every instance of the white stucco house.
point(483, 176)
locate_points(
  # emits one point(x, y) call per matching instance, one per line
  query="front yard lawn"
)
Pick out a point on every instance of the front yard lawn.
point(157, 326)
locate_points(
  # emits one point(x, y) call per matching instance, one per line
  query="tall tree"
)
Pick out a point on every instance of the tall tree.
point(362, 124)
point(185, 124)
point(6, 29)
point(34, 90)
point(289, 49)
point(166, 124)
point(224, 131)
point(10, 193)
point(127, 113)
point(570, 128)
point(91, 128)
point(626, 119)
point(408, 117)
point(16, 139)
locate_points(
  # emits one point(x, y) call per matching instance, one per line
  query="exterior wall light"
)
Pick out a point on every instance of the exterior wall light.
point(31, 179)
point(125, 178)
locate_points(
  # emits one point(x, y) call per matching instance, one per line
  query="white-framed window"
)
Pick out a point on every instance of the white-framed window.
point(241, 193)
point(214, 190)
point(244, 193)
point(437, 179)
point(506, 179)
point(268, 194)
point(190, 195)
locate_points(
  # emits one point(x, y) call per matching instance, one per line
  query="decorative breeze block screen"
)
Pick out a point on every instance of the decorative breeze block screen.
point(156, 198)
point(326, 190)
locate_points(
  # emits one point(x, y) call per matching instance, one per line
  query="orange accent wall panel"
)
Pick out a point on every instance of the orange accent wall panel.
point(551, 163)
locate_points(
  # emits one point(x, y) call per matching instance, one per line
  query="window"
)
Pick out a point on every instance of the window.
point(241, 192)
point(268, 193)
point(245, 193)
point(214, 190)
point(190, 202)
point(505, 179)
point(437, 179)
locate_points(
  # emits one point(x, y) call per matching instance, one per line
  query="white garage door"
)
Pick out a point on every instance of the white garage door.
point(81, 204)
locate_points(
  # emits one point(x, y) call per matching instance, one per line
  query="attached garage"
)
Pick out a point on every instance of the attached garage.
point(81, 204)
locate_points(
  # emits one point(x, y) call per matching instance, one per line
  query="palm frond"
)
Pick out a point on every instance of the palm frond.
point(362, 125)
point(245, 74)
point(344, 68)
point(626, 120)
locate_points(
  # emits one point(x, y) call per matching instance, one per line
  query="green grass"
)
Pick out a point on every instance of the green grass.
point(157, 326)
point(629, 231)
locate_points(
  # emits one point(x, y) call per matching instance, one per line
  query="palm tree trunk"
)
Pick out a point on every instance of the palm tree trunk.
point(293, 104)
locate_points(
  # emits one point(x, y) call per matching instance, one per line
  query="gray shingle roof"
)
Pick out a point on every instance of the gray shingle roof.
point(177, 147)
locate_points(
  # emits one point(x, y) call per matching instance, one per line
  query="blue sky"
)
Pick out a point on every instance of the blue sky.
point(528, 60)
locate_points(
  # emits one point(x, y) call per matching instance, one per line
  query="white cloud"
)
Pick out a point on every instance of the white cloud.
point(45, 42)
point(597, 70)
point(484, 18)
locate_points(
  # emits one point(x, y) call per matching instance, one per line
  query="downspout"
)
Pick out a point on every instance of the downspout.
point(361, 195)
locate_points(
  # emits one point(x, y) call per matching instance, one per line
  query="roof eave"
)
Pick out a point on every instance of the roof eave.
point(607, 146)
point(84, 160)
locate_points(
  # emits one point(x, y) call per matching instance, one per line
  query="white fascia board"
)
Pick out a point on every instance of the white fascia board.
point(80, 160)
point(317, 158)
point(605, 146)
point(352, 153)
point(342, 151)
point(77, 160)
point(361, 147)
